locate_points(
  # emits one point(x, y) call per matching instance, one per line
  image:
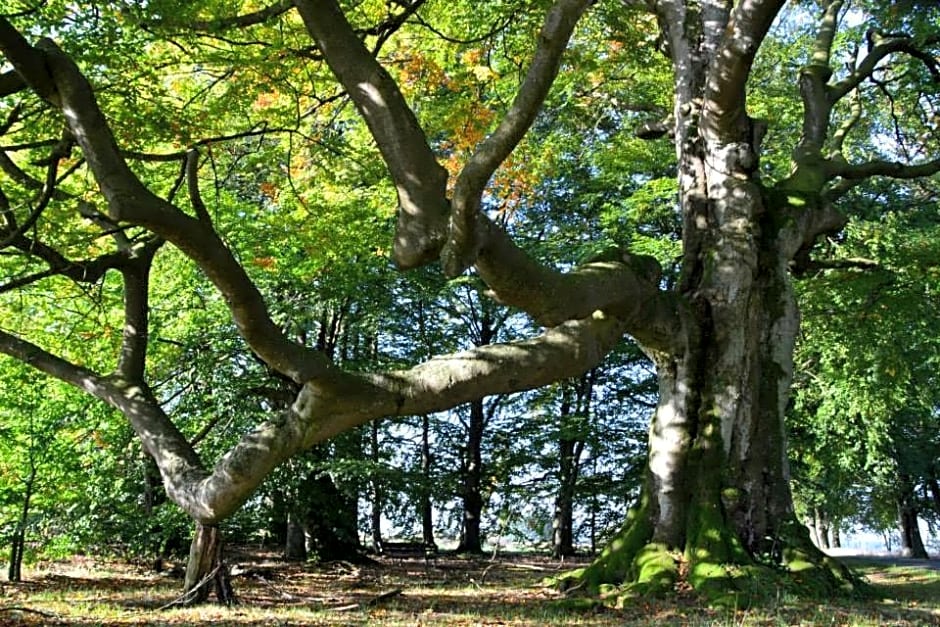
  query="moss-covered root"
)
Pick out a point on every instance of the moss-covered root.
point(628, 557)
point(812, 572)
point(714, 554)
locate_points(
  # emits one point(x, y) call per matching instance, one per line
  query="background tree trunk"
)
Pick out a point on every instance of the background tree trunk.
point(563, 518)
point(470, 540)
point(822, 527)
point(375, 514)
point(574, 414)
point(331, 521)
point(206, 568)
point(813, 530)
point(427, 512)
point(912, 545)
point(18, 541)
point(295, 544)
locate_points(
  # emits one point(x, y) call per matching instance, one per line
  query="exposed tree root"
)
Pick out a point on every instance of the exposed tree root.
point(385, 596)
point(713, 564)
point(28, 610)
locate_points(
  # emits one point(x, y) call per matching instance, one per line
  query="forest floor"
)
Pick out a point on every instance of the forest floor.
point(396, 592)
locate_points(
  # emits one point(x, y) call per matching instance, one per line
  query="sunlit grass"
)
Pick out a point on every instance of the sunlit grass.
point(446, 592)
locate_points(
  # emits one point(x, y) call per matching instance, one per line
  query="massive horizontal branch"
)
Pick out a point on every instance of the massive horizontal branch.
point(627, 287)
point(332, 405)
point(325, 409)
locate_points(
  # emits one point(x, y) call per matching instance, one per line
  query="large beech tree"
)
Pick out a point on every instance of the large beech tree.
point(716, 489)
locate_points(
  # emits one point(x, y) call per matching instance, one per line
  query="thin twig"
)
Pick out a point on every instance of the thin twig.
point(187, 596)
point(29, 610)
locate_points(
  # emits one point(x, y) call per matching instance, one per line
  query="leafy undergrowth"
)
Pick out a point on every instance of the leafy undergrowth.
point(446, 591)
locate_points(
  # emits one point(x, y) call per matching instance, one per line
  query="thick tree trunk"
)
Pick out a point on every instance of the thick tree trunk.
point(471, 540)
point(912, 545)
point(717, 484)
point(717, 490)
point(836, 537)
point(206, 568)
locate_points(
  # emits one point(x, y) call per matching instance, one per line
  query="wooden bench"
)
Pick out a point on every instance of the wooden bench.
point(408, 550)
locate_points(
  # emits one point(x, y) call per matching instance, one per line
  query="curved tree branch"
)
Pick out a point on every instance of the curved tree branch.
point(10, 83)
point(838, 138)
point(817, 105)
point(49, 188)
point(129, 200)
point(420, 180)
point(179, 465)
point(85, 271)
point(241, 21)
point(881, 48)
point(890, 169)
point(463, 242)
point(384, 30)
point(724, 115)
point(626, 287)
point(25, 61)
point(192, 184)
point(514, 278)
point(132, 362)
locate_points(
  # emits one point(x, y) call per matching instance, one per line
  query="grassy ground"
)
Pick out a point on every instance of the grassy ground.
point(447, 591)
